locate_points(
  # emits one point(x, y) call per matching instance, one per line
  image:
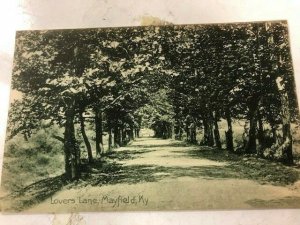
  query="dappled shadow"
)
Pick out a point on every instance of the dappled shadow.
point(112, 170)
point(237, 166)
point(247, 167)
point(171, 145)
point(130, 174)
point(126, 154)
point(102, 173)
point(205, 152)
point(140, 143)
point(115, 173)
point(33, 193)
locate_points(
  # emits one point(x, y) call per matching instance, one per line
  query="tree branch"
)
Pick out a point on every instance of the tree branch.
point(58, 138)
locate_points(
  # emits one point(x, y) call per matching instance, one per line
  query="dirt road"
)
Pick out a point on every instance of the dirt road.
point(155, 174)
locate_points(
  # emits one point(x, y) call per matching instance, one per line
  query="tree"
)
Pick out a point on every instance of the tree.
point(173, 77)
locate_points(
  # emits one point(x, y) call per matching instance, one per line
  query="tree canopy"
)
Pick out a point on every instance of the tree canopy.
point(168, 78)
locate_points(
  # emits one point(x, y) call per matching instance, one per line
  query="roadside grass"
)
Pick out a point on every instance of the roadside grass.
point(31, 168)
point(41, 157)
point(111, 170)
point(26, 162)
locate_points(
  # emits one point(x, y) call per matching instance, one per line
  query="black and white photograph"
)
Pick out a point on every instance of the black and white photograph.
point(161, 117)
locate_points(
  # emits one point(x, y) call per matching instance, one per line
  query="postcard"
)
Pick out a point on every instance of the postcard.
point(164, 117)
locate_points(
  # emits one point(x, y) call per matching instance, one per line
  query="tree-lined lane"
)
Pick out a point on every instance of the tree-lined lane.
point(169, 176)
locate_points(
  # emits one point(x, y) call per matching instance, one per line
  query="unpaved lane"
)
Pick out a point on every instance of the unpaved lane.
point(175, 184)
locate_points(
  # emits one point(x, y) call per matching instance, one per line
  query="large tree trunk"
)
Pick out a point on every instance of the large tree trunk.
point(274, 133)
point(85, 138)
point(99, 131)
point(190, 126)
point(170, 131)
point(131, 135)
point(211, 141)
point(217, 132)
point(208, 133)
point(188, 135)
point(193, 133)
point(124, 135)
point(261, 138)
point(117, 141)
point(70, 147)
point(121, 135)
point(110, 138)
point(287, 147)
point(178, 130)
point(229, 132)
point(251, 144)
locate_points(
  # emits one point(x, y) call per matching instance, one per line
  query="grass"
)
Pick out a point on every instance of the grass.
point(34, 168)
point(26, 162)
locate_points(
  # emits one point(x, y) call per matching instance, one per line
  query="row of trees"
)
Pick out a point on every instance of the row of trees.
point(234, 72)
point(186, 77)
point(68, 76)
point(231, 72)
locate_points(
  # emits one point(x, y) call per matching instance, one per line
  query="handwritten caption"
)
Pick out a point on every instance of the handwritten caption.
point(114, 201)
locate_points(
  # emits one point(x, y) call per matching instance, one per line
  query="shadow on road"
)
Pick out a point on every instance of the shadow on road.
point(110, 170)
point(32, 194)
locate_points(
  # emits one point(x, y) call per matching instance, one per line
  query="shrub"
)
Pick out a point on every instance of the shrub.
point(26, 162)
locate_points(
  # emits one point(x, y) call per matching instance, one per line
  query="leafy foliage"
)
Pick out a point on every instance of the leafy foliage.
point(184, 76)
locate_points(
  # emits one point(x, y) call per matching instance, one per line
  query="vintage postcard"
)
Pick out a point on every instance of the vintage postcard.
point(173, 117)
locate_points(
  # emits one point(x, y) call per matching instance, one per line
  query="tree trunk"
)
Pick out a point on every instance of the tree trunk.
point(205, 133)
point(229, 132)
point(217, 132)
point(274, 134)
point(250, 147)
point(70, 147)
point(208, 133)
point(136, 132)
point(171, 128)
point(261, 138)
point(251, 144)
point(117, 142)
point(287, 147)
point(124, 136)
point(110, 145)
point(25, 136)
point(211, 135)
point(177, 130)
point(98, 127)
point(187, 130)
point(131, 135)
point(85, 138)
point(193, 133)
point(121, 135)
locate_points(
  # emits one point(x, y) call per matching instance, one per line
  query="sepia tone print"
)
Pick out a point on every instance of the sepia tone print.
point(153, 118)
